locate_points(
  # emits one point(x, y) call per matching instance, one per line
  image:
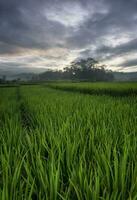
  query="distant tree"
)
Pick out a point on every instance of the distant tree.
point(84, 69)
point(87, 69)
point(51, 75)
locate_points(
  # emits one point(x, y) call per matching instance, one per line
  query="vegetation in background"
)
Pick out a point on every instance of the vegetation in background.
point(102, 88)
point(64, 145)
point(84, 69)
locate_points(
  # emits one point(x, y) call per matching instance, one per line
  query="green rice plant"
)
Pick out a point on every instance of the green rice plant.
point(66, 145)
point(103, 88)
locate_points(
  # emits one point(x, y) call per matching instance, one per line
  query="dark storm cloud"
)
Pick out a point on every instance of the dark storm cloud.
point(6, 48)
point(130, 63)
point(120, 17)
point(23, 25)
point(110, 51)
point(105, 29)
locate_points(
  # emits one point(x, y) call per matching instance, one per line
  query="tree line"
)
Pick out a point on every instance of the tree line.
point(84, 69)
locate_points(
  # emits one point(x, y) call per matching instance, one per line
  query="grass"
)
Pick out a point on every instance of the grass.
point(66, 145)
point(102, 88)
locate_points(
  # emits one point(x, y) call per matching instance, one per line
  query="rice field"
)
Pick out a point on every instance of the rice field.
point(61, 144)
point(98, 88)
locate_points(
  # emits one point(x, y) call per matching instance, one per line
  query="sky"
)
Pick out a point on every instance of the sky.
point(49, 34)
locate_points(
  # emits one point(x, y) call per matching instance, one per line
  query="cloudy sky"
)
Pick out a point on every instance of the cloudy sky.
point(52, 33)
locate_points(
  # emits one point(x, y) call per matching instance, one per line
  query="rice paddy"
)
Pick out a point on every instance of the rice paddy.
point(58, 143)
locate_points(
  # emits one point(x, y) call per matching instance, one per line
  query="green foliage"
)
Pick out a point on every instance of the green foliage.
point(64, 145)
point(102, 88)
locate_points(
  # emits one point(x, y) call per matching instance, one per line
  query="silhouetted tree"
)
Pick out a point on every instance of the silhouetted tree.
point(84, 69)
point(87, 69)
